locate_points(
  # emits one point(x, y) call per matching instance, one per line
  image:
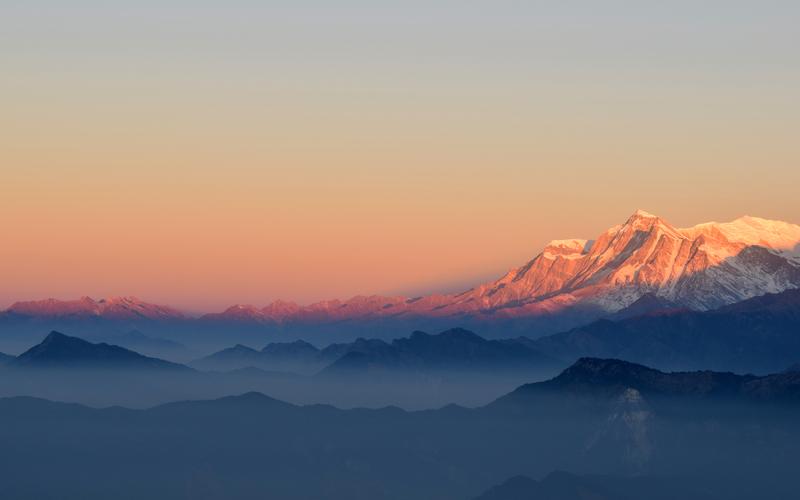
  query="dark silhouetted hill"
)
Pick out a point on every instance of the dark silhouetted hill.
point(61, 351)
point(297, 356)
point(760, 335)
point(455, 350)
point(607, 378)
point(451, 350)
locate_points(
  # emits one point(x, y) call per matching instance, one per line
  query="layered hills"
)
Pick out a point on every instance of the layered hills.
point(623, 429)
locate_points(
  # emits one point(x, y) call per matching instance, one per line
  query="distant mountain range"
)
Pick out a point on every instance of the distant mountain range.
point(643, 264)
point(114, 308)
point(421, 371)
point(758, 335)
point(451, 350)
point(298, 356)
point(455, 350)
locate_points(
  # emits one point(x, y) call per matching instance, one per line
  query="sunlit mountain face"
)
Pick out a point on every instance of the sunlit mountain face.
point(85, 307)
point(700, 267)
point(570, 282)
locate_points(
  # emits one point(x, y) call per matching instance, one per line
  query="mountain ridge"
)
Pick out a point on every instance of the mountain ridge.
point(453, 349)
point(758, 334)
point(602, 377)
point(6, 358)
point(85, 307)
point(62, 351)
point(701, 267)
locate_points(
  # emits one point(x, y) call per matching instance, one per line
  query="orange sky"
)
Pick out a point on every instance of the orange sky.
point(372, 153)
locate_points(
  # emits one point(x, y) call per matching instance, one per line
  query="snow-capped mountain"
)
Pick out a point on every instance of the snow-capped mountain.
point(700, 267)
point(86, 307)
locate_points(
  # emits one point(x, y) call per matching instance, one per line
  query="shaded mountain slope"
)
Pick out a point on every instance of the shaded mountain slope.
point(451, 350)
point(61, 351)
point(6, 358)
point(238, 356)
point(139, 342)
point(456, 350)
point(646, 304)
point(760, 335)
point(594, 377)
point(298, 356)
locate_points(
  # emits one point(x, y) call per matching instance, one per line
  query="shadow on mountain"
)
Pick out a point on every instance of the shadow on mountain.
point(758, 335)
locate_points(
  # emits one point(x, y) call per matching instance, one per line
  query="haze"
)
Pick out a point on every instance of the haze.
point(247, 151)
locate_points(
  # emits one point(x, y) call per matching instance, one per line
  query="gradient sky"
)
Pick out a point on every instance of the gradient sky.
point(201, 153)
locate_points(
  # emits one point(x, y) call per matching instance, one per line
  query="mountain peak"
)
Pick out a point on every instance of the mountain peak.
point(117, 299)
point(640, 218)
point(111, 308)
point(569, 248)
point(461, 334)
point(593, 367)
point(645, 222)
point(55, 336)
point(59, 350)
point(57, 340)
point(604, 377)
point(641, 214)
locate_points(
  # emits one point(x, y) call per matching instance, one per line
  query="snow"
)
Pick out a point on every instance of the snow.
point(575, 244)
point(642, 213)
point(553, 256)
point(710, 278)
point(777, 235)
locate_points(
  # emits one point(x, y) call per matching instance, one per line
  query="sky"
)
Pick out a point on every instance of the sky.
point(201, 154)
